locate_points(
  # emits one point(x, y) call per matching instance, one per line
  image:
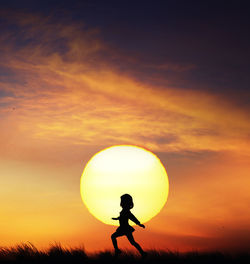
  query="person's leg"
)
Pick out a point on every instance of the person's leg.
point(114, 241)
point(135, 244)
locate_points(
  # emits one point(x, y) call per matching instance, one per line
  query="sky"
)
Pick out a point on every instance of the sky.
point(170, 76)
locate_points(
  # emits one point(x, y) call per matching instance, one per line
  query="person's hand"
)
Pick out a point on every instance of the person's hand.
point(141, 225)
point(114, 218)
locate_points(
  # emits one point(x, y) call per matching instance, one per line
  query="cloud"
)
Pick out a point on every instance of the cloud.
point(174, 67)
point(231, 241)
point(58, 87)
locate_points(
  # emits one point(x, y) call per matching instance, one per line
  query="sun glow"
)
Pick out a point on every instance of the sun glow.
point(124, 169)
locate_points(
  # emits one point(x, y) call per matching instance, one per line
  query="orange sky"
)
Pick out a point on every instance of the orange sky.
point(59, 110)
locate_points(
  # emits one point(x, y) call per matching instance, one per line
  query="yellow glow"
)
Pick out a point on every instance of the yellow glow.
point(117, 170)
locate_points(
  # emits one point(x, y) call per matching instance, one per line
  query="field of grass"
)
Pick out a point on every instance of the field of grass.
point(27, 253)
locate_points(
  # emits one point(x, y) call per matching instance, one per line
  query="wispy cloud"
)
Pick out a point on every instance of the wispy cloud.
point(60, 88)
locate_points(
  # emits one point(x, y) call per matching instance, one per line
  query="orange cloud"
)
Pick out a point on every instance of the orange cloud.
point(74, 98)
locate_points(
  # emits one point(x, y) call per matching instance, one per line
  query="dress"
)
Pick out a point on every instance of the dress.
point(124, 227)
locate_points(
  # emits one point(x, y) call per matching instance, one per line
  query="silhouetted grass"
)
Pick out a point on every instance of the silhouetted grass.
point(28, 253)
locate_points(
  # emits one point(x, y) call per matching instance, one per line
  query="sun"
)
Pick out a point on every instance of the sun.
point(122, 169)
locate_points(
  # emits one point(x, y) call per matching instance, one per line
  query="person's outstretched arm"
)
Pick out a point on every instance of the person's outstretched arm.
point(135, 220)
point(115, 218)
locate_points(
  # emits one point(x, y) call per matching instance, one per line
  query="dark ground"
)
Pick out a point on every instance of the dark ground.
point(27, 253)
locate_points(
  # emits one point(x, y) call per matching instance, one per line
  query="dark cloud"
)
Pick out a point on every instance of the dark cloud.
point(40, 51)
point(189, 45)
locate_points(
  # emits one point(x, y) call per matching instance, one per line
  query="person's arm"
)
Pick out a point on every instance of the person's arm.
point(115, 218)
point(135, 220)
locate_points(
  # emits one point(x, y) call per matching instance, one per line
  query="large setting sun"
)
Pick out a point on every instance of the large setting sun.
point(117, 170)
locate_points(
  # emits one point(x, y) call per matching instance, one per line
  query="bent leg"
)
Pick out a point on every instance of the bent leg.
point(135, 244)
point(114, 241)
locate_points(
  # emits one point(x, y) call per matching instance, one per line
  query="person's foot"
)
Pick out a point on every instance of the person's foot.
point(117, 252)
point(144, 254)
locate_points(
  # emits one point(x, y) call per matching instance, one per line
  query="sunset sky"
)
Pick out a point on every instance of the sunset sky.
point(170, 76)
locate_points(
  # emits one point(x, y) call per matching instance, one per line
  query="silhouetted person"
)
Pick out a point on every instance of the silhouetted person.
point(125, 229)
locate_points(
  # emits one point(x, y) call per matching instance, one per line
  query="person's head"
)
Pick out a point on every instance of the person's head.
point(127, 201)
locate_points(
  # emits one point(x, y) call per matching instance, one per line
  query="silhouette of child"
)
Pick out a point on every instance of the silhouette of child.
point(125, 229)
